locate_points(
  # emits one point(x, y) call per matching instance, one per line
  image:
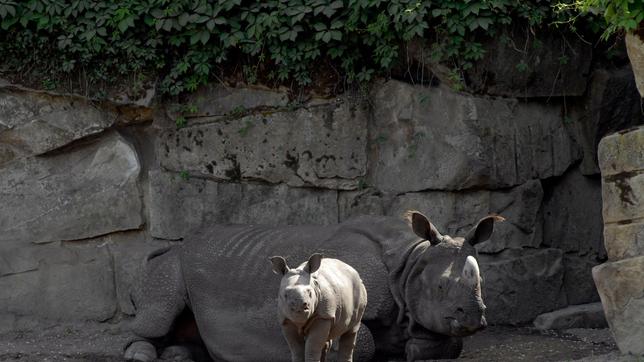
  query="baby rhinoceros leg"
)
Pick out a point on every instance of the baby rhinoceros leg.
point(294, 340)
point(316, 340)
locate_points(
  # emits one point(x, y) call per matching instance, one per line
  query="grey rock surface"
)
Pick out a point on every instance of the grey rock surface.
point(216, 100)
point(60, 282)
point(611, 103)
point(520, 284)
point(621, 288)
point(578, 279)
point(623, 197)
point(321, 146)
point(456, 212)
point(433, 138)
point(575, 316)
point(635, 48)
point(35, 122)
point(572, 214)
point(622, 152)
point(89, 191)
point(624, 240)
point(178, 206)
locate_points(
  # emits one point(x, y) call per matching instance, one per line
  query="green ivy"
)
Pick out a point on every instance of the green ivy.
point(184, 44)
point(621, 15)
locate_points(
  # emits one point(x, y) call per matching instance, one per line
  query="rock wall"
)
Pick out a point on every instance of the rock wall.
point(620, 281)
point(89, 188)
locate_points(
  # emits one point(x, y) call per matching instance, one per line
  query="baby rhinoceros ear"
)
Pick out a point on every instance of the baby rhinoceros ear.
point(279, 265)
point(314, 263)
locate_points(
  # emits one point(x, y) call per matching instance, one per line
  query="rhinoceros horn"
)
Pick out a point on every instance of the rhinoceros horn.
point(422, 227)
point(483, 229)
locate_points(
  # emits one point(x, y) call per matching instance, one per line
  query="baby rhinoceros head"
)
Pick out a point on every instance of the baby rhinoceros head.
point(298, 293)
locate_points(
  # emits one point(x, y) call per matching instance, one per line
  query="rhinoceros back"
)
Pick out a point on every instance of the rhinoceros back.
point(232, 291)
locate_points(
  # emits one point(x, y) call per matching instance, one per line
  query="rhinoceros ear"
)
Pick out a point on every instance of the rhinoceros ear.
point(279, 265)
point(314, 263)
point(483, 229)
point(422, 227)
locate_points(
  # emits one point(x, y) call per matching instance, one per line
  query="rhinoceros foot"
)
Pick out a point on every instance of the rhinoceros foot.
point(140, 351)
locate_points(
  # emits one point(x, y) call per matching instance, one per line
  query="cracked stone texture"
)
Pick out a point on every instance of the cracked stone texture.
point(575, 316)
point(621, 159)
point(611, 103)
point(520, 284)
point(88, 191)
point(621, 288)
point(572, 214)
point(216, 100)
point(57, 281)
point(35, 122)
point(622, 152)
point(178, 206)
point(624, 241)
point(433, 138)
point(320, 146)
point(455, 213)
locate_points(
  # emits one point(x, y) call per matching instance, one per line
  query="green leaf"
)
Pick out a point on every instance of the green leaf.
point(319, 26)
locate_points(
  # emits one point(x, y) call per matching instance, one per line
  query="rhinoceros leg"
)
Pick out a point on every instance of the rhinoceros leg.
point(316, 340)
point(161, 297)
point(365, 348)
point(295, 341)
point(346, 345)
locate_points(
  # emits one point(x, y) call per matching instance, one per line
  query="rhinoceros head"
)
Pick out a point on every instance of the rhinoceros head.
point(298, 295)
point(443, 283)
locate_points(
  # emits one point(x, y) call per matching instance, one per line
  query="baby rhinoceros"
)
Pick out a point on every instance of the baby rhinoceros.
point(319, 301)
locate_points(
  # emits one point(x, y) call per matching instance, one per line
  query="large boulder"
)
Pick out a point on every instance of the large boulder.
point(624, 240)
point(621, 288)
point(57, 281)
point(443, 140)
point(36, 122)
point(317, 145)
point(179, 205)
point(635, 49)
point(520, 284)
point(575, 316)
point(88, 191)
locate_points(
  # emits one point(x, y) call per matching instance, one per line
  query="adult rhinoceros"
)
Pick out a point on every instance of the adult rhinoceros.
point(424, 287)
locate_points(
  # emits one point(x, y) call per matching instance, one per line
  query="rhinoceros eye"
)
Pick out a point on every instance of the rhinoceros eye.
point(310, 294)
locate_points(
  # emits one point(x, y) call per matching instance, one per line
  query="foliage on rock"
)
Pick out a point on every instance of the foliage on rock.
point(187, 43)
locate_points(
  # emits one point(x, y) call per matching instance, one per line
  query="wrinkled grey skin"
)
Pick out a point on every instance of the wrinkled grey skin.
point(424, 287)
point(317, 302)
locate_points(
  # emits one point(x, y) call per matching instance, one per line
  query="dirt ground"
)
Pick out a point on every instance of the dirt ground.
point(103, 343)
